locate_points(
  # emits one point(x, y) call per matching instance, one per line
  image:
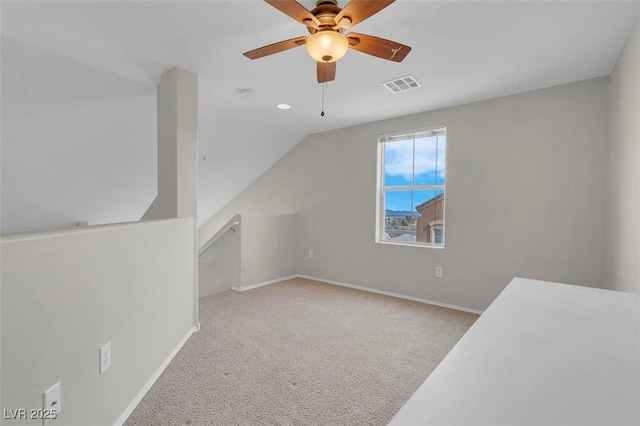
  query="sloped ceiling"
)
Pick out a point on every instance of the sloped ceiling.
point(79, 81)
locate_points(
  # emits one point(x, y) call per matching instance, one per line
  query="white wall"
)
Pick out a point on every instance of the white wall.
point(78, 142)
point(525, 197)
point(623, 191)
point(67, 293)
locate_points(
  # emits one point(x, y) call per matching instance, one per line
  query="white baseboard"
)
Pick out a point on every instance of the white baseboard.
point(262, 284)
point(123, 418)
point(388, 293)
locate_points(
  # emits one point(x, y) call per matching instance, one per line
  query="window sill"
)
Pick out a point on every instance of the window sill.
point(406, 244)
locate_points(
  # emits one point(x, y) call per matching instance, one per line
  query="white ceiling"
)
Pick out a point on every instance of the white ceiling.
point(463, 51)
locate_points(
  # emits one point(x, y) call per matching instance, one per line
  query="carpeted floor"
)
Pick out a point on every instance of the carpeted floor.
point(301, 352)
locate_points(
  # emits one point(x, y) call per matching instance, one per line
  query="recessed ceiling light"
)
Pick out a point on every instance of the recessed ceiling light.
point(283, 106)
point(247, 93)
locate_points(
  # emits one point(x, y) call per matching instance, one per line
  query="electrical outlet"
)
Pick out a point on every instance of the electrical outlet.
point(439, 271)
point(310, 253)
point(51, 403)
point(105, 357)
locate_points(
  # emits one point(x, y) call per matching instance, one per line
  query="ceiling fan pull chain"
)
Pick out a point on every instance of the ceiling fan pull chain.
point(322, 112)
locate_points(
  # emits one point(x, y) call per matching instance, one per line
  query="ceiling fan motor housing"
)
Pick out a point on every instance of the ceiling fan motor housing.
point(327, 44)
point(327, 37)
point(325, 12)
point(323, 2)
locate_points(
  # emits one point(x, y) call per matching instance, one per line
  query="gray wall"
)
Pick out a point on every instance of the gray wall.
point(67, 293)
point(262, 249)
point(268, 248)
point(525, 197)
point(623, 191)
point(219, 264)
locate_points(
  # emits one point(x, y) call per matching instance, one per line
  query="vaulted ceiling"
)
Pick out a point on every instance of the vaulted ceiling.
point(79, 81)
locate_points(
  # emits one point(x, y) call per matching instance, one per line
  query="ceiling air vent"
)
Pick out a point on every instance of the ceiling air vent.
point(402, 84)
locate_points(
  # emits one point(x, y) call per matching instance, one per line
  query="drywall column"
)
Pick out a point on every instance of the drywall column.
point(178, 154)
point(623, 180)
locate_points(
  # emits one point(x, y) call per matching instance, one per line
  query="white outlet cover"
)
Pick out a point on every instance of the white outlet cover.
point(51, 400)
point(105, 357)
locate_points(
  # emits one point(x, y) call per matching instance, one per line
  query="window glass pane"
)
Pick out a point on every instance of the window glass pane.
point(429, 162)
point(398, 162)
point(399, 217)
point(438, 235)
point(413, 214)
point(429, 205)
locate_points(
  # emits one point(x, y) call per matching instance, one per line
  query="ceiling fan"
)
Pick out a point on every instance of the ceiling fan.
point(327, 44)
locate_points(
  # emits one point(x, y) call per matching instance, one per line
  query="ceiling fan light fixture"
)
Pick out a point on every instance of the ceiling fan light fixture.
point(327, 46)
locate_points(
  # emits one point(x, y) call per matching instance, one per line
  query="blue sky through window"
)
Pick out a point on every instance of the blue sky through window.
point(419, 161)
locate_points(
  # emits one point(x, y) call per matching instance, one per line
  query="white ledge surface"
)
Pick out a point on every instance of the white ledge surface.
point(542, 354)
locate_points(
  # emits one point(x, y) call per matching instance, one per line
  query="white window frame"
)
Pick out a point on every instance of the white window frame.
point(381, 189)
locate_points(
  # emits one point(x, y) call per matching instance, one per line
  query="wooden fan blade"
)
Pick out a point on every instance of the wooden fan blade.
point(275, 48)
point(295, 10)
point(326, 71)
point(376, 46)
point(359, 10)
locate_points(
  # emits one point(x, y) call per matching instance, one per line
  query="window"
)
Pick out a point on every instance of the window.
point(411, 188)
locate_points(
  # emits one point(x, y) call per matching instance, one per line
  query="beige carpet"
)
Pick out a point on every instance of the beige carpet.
point(301, 352)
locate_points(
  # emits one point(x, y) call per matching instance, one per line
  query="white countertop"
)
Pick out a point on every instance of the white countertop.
point(542, 354)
